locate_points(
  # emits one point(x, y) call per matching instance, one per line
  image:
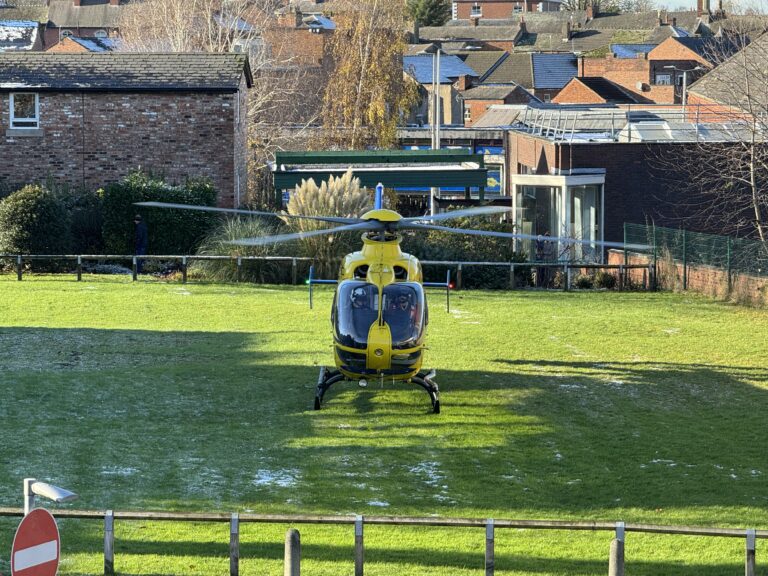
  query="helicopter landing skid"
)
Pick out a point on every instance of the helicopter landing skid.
point(329, 377)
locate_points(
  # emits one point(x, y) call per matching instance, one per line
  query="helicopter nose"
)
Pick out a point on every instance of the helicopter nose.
point(379, 347)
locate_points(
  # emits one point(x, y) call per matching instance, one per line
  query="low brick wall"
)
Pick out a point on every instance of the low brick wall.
point(707, 280)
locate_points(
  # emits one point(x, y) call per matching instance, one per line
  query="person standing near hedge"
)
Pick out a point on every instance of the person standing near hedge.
point(140, 240)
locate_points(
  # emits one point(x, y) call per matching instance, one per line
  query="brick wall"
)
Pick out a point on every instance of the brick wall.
point(628, 73)
point(707, 280)
point(672, 50)
point(635, 187)
point(490, 10)
point(88, 140)
point(577, 93)
point(298, 46)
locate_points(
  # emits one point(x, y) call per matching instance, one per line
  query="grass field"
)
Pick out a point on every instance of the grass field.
point(585, 406)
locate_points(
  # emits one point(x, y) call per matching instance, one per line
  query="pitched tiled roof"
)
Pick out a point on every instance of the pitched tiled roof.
point(482, 61)
point(515, 68)
point(607, 90)
point(90, 14)
point(123, 71)
point(631, 50)
point(17, 35)
point(24, 10)
point(738, 79)
point(451, 67)
point(553, 70)
point(489, 92)
point(453, 33)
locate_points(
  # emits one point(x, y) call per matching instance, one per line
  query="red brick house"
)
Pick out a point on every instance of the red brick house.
point(90, 119)
point(83, 18)
point(658, 75)
point(479, 99)
point(500, 9)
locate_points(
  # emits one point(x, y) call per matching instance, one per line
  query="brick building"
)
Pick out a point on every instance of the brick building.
point(657, 73)
point(82, 18)
point(479, 99)
point(90, 119)
point(583, 172)
point(500, 9)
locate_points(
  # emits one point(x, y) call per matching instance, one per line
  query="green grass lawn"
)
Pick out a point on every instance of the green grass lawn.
point(585, 406)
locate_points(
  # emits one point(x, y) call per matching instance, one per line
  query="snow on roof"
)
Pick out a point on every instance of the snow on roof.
point(17, 35)
point(451, 68)
point(317, 21)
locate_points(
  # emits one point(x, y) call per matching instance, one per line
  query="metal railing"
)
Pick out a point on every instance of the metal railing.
point(490, 525)
point(459, 267)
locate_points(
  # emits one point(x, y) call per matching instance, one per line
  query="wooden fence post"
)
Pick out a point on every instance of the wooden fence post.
point(566, 278)
point(489, 548)
point(749, 564)
point(458, 277)
point(234, 545)
point(239, 268)
point(109, 543)
point(18, 267)
point(616, 559)
point(292, 566)
point(358, 545)
point(134, 269)
point(183, 269)
point(79, 268)
point(294, 271)
point(512, 277)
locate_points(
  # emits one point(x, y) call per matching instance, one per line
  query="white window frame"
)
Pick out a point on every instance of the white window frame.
point(663, 79)
point(66, 34)
point(13, 117)
point(100, 34)
point(467, 114)
point(476, 10)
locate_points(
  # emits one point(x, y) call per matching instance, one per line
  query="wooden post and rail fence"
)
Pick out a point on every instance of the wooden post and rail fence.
point(292, 558)
point(459, 267)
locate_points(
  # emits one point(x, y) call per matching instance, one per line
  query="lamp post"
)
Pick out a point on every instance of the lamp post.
point(684, 96)
point(32, 488)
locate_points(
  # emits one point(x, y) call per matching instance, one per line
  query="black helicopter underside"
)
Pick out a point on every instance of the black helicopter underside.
point(328, 377)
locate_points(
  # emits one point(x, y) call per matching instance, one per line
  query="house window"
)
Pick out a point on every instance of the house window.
point(467, 114)
point(65, 34)
point(476, 10)
point(664, 79)
point(517, 8)
point(100, 34)
point(25, 110)
point(679, 80)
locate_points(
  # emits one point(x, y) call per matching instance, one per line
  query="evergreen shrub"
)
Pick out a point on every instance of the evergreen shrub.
point(34, 220)
point(170, 231)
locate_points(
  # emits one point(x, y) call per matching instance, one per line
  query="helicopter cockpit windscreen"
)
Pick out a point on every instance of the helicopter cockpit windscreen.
point(404, 313)
point(357, 308)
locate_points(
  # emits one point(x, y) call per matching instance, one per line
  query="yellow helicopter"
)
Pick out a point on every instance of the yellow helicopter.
point(379, 314)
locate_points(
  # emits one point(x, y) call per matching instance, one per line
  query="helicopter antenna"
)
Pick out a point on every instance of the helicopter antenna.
point(378, 202)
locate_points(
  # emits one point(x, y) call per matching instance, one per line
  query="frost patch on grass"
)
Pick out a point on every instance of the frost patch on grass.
point(182, 292)
point(379, 503)
point(572, 386)
point(430, 474)
point(671, 330)
point(118, 471)
point(284, 478)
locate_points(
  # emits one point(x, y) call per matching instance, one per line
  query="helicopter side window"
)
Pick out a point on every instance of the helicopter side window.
point(361, 272)
point(357, 308)
point(404, 307)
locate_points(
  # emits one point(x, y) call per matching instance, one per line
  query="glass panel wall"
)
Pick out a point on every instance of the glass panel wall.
point(585, 220)
point(539, 213)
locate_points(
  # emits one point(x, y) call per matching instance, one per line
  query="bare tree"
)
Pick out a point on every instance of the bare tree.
point(283, 103)
point(722, 175)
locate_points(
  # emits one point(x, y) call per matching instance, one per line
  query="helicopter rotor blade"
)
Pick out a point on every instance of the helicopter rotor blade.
point(263, 240)
point(475, 232)
point(331, 219)
point(466, 213)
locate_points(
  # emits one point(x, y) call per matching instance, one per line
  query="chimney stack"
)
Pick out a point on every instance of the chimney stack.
point(77, 2)
point(114, 2)
point(674, 21)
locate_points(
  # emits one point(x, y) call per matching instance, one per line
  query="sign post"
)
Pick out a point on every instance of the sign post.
point(35, 550)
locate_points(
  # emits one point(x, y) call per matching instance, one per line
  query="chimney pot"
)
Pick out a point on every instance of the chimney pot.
point(674, 21)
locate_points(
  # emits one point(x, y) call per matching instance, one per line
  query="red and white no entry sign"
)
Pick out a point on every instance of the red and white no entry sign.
point(35, 550)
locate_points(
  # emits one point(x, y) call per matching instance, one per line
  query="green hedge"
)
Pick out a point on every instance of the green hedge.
point(437, 245)
point(34, 220)
point(170, 231)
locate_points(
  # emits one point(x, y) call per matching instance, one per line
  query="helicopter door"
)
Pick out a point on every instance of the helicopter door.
point(357, 308)
point(404, 307)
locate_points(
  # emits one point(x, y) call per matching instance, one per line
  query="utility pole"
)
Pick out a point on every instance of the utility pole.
point(436, 120)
